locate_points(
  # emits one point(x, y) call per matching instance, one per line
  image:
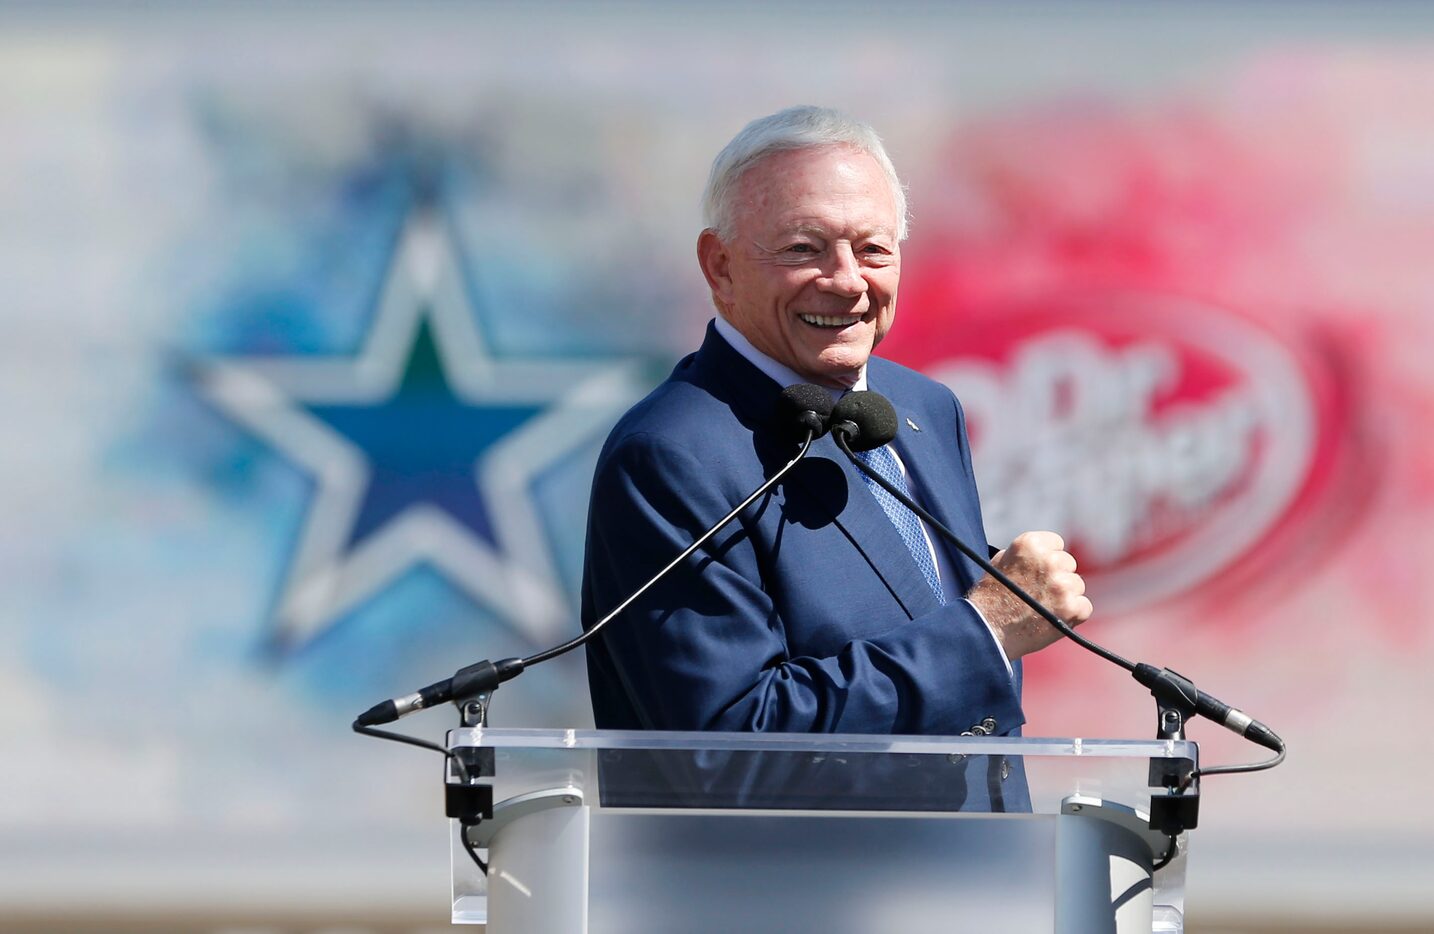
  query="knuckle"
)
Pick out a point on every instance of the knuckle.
point(1044, 539)
point(1073, 606)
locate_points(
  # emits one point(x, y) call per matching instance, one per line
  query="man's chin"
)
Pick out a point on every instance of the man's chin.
point(838, 374)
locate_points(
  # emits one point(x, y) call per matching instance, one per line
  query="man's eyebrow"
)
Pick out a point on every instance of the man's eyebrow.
point(818, 230)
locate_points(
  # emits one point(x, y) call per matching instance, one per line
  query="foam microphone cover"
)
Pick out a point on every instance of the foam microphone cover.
point(805, 407)
point(865, 419)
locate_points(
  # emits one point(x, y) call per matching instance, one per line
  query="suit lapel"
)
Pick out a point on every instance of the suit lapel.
point(730, 377)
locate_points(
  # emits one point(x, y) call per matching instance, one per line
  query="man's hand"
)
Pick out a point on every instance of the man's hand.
point(1038, 562)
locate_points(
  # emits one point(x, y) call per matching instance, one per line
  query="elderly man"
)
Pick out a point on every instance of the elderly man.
point(823, 608)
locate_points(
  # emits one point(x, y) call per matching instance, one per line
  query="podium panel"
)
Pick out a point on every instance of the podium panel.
point(796, 873)
point(593, 831)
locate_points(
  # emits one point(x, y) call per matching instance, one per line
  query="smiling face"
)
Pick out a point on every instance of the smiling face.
point(810, 271)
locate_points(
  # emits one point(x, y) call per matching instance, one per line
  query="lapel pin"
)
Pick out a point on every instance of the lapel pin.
point(914, 426)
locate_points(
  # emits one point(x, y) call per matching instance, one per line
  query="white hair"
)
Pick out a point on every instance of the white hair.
point(802, 127)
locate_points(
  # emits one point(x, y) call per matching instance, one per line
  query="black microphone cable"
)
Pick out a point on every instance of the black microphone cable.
point(459, 767)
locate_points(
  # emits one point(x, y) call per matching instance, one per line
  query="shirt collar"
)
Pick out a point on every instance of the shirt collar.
point(782, 374)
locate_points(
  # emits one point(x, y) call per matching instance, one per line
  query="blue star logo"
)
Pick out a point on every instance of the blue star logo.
point(423, 448)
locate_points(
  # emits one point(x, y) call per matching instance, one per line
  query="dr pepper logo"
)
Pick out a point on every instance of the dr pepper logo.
point(1171, 442)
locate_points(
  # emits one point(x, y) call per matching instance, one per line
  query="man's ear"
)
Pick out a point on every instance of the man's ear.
point(716, 263)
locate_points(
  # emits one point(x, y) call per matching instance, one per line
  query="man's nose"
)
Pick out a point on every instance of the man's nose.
point(846, 277)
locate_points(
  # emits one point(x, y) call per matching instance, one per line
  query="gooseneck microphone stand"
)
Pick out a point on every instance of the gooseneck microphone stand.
point(862, 421)
point(802, 409)
point(477, 682)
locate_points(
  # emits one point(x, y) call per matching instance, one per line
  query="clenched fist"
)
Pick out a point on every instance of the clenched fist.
point(1038, 562)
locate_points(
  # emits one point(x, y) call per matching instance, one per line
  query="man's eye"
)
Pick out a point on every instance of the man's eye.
point(801, 248)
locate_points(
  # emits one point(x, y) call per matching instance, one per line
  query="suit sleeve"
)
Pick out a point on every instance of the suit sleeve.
point(706, 650)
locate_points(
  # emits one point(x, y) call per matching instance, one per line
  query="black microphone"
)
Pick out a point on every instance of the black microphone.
point(1180, 692)
point(862, 421)
point(803, 407)
point(467, 682)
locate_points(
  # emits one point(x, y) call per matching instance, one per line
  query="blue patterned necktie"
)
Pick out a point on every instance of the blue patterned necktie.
point(883, 461)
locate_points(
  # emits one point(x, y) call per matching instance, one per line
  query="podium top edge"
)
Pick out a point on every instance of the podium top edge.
point(530, 738)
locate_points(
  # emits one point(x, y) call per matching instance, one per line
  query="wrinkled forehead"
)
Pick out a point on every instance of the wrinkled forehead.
point(814, 189)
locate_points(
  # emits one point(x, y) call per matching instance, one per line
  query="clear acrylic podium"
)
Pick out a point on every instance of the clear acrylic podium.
point(597, 831)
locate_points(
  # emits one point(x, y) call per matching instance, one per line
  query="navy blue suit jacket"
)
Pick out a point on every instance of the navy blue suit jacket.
point(807, 613)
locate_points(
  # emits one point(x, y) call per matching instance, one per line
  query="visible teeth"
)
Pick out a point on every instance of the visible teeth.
point(829, 322)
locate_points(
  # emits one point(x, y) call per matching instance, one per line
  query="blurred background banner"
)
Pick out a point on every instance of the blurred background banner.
point(316, 319)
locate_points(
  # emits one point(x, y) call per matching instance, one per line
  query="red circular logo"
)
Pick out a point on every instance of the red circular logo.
point(1172, 443)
